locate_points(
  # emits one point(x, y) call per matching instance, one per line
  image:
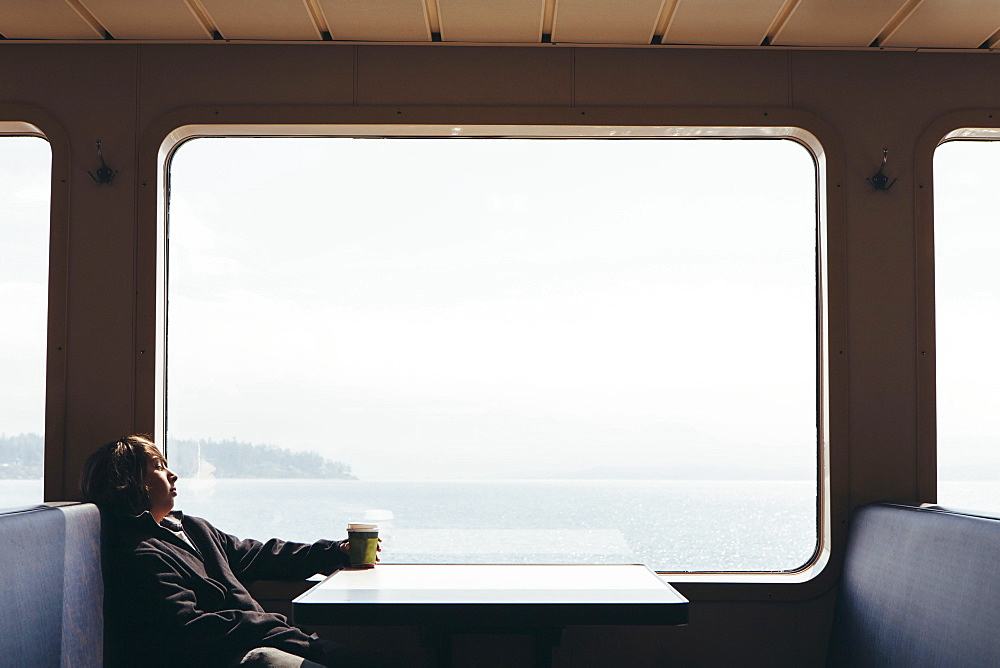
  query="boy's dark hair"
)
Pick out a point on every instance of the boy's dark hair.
point(114, 477)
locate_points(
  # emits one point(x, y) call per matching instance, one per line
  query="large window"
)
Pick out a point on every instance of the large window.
point(504, 350)
point(967, 310)
point(25, 166)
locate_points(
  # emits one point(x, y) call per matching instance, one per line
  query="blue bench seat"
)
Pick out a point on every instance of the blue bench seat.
point(920, 587)
point(51, 588)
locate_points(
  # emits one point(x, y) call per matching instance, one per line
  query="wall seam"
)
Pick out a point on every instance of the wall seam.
point(572, 78)
point(789, 79)
point(136, 118)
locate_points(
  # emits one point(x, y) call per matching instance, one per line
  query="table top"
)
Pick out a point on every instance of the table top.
point(493, 595)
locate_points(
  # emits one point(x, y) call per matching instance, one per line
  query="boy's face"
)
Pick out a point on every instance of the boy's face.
point(160, 486)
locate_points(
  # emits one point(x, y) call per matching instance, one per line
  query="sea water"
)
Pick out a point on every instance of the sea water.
point(671, 525)
point(668, 525)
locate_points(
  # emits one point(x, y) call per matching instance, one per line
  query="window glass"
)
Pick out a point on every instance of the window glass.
point(25, 166)
point(967, 313)
point(503, 350)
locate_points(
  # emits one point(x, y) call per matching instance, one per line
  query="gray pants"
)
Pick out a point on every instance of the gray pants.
point(269, 657)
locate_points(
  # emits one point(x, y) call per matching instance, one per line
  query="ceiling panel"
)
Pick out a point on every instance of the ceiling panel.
point(507, 21)
point(164, 19)
point(377, 20)
point(44, 19)
point(605, 21)
point(262, 19)
point(740, 22)
point(954, 24)
point(837, 22)
point(957, 24)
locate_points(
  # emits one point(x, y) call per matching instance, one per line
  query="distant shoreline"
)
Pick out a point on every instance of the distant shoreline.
point(22, 457)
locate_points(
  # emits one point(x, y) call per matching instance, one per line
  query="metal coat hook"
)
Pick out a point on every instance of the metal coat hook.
point(104, 173)
point(879, 180)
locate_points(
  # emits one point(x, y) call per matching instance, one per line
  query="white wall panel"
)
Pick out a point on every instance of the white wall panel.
point(43, 19)
point(954, 24)
point(837, 23)
point(742, 22)
point(605, 21)
point(377, 20)
point(507, 21)
point(164, 19)
point(262, 19)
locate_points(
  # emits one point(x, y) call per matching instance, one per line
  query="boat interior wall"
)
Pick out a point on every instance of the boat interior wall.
point(117, 93)
point(102, 324)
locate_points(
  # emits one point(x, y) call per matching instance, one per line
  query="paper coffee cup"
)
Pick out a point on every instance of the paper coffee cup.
point(361, 526)
point(362, 538)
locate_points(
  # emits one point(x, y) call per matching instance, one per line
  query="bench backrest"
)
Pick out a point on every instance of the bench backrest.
point(51, 590)
point(921, 587)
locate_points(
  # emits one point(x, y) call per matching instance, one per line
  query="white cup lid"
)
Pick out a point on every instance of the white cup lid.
point(361, 526)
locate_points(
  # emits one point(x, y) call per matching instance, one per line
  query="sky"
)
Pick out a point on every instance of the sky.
point(25, 167)
point(967, 307)
point(466, 308)
point(470, 308)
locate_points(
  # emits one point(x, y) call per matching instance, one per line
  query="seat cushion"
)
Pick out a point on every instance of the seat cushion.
point(51, 590)
point(920, 587)
point(32, 551)
point(83, 588)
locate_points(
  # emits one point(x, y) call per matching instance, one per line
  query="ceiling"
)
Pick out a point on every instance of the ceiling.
point(844, 24)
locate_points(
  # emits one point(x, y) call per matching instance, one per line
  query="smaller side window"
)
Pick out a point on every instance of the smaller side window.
point(967, 312)
point(25, 168)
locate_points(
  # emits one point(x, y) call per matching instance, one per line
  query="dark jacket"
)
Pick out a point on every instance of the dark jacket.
point(170, 604)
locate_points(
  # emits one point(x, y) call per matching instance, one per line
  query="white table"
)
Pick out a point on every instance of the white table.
point(536, 599)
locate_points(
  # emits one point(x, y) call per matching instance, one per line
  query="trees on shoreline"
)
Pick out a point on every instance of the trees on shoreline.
point(22, 456)
point(233, 459)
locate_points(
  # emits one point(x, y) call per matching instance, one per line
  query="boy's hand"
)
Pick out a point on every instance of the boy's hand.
point(345, 547)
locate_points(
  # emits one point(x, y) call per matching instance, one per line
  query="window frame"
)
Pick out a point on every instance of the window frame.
point(25, 120)
point(176, 127)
